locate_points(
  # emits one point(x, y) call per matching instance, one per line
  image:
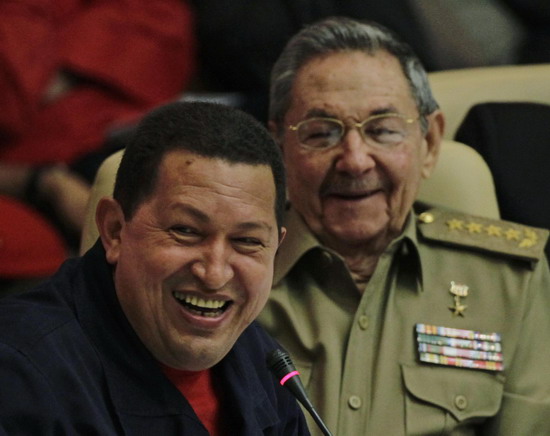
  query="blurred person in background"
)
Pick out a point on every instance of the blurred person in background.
point(71, 72)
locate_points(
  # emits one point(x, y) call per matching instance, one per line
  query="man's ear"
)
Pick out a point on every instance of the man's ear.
point(110, 222)
point(432, 142)
point(274, 130)
point(282, 235)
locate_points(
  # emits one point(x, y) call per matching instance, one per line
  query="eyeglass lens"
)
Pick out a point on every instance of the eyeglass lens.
point(384, 131)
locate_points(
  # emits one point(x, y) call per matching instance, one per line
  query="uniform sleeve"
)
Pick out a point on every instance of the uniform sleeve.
point(526, 402)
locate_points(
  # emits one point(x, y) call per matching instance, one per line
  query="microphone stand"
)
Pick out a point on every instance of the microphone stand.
point(281, 365)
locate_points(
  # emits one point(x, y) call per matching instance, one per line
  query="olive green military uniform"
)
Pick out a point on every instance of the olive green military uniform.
point(358, 354)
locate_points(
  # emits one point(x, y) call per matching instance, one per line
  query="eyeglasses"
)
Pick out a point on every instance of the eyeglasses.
point(384, 131)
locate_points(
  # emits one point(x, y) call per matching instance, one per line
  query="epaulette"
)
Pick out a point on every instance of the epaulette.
point(485, 234)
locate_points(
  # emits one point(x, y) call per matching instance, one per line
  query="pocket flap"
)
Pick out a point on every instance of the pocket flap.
point(464, 393)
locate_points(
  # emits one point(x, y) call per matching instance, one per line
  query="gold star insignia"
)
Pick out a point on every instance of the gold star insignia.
point(530, 234)
point(527, 243)
point(512, 234)
point(474, 227)
point(458, 309)
point(455, 224)
point(459, 290)
point(493, 230)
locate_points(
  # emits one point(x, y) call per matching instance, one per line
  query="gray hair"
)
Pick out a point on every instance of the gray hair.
point(338, 34)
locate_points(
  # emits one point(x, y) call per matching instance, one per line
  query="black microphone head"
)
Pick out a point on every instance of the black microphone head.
point(279, 363)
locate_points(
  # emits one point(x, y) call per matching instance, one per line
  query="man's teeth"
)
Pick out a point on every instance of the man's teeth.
point(200, 303)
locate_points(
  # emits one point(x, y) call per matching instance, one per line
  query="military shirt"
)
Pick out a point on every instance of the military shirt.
point(359, 353)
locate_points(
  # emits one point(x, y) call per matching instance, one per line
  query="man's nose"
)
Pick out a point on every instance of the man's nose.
point(213, 268)
point(355, 156)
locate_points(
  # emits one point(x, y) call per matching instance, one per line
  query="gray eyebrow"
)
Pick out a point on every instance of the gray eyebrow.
point(312, 113)
point(317, 112)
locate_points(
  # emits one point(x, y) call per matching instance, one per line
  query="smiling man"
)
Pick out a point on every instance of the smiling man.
point(152, 331)
point(404, 319)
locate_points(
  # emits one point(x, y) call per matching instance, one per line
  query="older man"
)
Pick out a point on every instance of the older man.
point(402, 319)
point(152, 331)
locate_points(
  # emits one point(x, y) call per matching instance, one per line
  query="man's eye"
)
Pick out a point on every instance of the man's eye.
point(317, 131)
point(319, 134)
point(249, 243)
point(184, 231)
point(385, 135)
point(379, 131)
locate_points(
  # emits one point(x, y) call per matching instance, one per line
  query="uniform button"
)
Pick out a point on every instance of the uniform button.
point(363, 322)
point(426, 218)
point(355, 402)
point(461, 402)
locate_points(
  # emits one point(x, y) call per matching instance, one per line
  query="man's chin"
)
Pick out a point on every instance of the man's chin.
point(359, 210)
point(196, 359)
point(355, 233)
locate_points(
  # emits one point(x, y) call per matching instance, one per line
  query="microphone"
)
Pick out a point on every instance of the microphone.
point(281, 365)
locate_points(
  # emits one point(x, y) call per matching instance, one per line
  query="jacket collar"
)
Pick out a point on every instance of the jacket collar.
point(299, 240)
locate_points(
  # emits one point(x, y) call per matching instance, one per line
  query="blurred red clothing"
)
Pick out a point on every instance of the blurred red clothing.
point(127, 56)
point(29, 245)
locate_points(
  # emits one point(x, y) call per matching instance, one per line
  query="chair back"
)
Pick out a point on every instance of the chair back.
point(514, 140)
point(457, 91)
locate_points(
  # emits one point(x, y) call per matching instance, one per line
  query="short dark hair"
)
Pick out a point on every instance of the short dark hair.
point(342, 34)
point(207, 129)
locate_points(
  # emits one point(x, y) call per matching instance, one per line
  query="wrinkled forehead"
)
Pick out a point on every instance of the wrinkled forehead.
point(354, 82)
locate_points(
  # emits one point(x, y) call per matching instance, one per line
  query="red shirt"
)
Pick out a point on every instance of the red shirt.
point(198, 388)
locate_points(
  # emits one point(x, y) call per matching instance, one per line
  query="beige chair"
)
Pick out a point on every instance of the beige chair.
point(104, 184)
point(461, 181)
point(458, 90)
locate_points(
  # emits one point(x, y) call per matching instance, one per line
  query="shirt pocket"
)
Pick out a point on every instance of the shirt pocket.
point(448, 400)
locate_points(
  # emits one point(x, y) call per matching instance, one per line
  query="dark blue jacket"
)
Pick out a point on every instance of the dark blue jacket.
point(70, 364)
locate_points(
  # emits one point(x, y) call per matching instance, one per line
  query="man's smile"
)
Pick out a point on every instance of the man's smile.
point(208, 307)
point(353, 194)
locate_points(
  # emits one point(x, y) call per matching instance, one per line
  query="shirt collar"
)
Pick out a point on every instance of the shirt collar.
point(300, 240)
point(408, 248)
